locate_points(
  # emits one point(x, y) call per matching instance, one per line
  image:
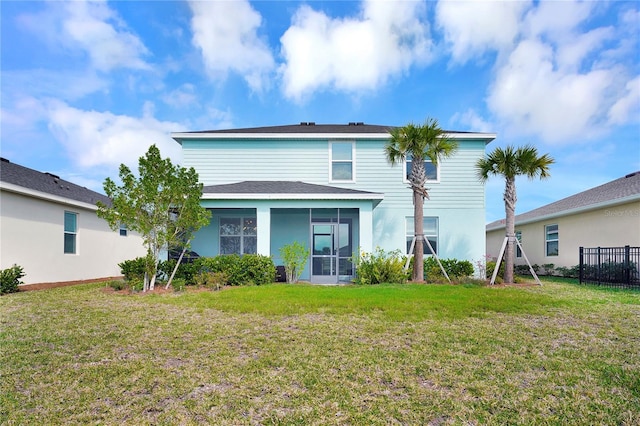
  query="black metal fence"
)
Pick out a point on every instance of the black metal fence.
point(610, 266)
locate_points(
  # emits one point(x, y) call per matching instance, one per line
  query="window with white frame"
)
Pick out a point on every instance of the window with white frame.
point(123, 230)
point(342, 164)
point(519, 238)
point(431, 170)
point(238, 235)
point(430, 227)
point(70, 232)
point(551, 240)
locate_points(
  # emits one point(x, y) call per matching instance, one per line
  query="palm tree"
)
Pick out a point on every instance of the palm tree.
point(420, 143)
point(509, 163)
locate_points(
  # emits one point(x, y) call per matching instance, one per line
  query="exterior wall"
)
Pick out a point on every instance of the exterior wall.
point(614, 226)
point(32, 233)
point(457, 199)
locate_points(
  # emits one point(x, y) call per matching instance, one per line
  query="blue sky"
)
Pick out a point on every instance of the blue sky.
point(87, 86)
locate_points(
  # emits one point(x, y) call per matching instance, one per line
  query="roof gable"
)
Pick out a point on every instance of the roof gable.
point(47, 183)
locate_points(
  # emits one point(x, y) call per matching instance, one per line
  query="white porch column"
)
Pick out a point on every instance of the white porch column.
point(263, 218)
point(366, 228)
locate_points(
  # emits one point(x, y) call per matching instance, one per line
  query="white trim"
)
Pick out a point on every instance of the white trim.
point(76, 248)
point(547, 240)
point(353, 161)
point(236, 196)
point(178, 136)
point(44, 196)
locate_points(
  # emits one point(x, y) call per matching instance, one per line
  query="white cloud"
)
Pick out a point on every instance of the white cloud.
point(104, 139)
point(182, 96)
point(92, 28)
point(535, 98)
point(628, 105)
point(471, 28)
point(472, 121)
point(353, 54)
point(560, 74)
point(97, 29)
point(226, 33)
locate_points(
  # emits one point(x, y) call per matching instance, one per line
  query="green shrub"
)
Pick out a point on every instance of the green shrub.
point(294, 256)
point(136, 285)
point(117, 285)
point(186, 271)
point(257, 269)
point(572, 272)
point(133, 269)
point(178, 284)
point(10, 279)
point(250, 269)
point(211, 280)
point(491, 266)
point(455, 269)
point(380, 267)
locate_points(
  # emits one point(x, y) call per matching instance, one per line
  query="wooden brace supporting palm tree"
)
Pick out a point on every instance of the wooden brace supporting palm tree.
point(419, 143)
point(510, 163)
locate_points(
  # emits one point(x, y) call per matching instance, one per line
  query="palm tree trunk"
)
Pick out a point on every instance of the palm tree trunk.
point(510, 209)
point(418, 226)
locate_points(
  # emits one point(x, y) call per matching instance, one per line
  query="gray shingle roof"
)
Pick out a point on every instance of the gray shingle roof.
point(624, 187)
point(279, 187)
point(311, 127)
point(47, 183)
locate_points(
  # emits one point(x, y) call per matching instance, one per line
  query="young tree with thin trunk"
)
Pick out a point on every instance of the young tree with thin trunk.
point(162, 204)
point(419, 143)
point(510, 163)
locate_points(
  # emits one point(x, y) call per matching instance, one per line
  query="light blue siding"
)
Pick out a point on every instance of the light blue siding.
point(457, 199)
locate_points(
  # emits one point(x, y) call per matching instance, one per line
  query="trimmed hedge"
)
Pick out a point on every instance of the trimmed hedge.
point(249, 269)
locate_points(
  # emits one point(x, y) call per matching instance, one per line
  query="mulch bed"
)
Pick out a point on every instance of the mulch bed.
point(45, 286)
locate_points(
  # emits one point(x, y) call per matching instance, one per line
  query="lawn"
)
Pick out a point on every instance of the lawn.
point(299, 354)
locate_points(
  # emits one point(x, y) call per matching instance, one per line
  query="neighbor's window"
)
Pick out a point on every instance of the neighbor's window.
point(238, 235)
point(70, 232)
point(551, 240)
point(430, 225)
point(342, 161)
point(519, 237)
point(431, 170)
point(123, 230)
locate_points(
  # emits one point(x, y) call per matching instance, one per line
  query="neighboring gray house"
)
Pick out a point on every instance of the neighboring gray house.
point(605, 216)
point(49, 227)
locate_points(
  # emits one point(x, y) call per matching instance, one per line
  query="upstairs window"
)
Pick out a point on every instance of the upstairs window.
point(431, 170)
point(123, 230)
point(238, 235)
point(342, 154)
point(430, 228)
point(551, 240)
point(70, 232)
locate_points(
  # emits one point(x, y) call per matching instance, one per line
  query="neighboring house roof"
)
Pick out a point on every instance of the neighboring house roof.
point(284, 190)
point(16, 178)
point(309, 129)
point(622, 190)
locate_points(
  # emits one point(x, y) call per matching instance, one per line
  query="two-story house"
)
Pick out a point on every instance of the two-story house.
point(331, 188)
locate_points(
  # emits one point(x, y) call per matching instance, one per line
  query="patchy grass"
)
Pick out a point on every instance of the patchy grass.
point(296, 354)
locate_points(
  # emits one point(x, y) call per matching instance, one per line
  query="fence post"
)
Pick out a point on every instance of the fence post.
point(599, 270)
point(581, 267)
point(627, 265)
